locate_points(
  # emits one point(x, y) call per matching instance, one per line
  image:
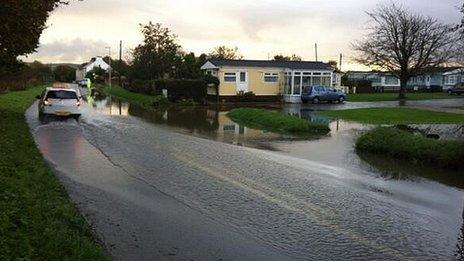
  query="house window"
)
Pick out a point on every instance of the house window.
point(230, 77)
point(271, 77)
point(450, 79)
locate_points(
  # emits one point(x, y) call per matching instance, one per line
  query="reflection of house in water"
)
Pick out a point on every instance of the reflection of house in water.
point(232, 132)
point(111, 107)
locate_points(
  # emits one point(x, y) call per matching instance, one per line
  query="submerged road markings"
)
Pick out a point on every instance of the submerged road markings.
point(282, 199)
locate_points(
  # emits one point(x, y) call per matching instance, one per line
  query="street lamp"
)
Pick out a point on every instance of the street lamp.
point(109, 70)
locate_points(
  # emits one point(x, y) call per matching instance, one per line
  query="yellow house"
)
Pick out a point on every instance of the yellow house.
point(268, 78)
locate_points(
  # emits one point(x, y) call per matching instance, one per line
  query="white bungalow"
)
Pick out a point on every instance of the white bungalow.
point(87, 67)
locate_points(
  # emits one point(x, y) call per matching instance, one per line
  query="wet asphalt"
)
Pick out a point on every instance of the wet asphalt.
point(154, 194)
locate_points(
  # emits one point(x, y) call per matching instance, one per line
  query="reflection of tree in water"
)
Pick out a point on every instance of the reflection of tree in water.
point(460, 244)
point(190, 118)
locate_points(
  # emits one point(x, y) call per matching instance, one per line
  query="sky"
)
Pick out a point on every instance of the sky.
point(259, 28)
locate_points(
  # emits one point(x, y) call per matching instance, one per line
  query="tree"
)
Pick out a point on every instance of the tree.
point(97, 74)
point(21, 24)
point(40, 71)
point(118, 68)
point(64, 73)
point(191, 66)
point(224, 52)
point(404, 43)
point(159, 54)
point(333, 64)
point(281, 57)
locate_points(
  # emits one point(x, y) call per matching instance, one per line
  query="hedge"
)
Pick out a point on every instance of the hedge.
point(177, 89)
point(401, 144)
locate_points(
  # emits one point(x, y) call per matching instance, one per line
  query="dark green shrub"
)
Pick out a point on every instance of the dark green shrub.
point(186, 102)
point(246, 96)
point(64, 73)
point(210, 79)
point(141, 86)
point(405, 145)
point(160, 101)
point(182, 89)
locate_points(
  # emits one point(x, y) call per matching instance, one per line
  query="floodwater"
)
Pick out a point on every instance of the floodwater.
point(310, 198)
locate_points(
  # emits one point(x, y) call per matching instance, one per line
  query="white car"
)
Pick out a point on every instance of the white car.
point(60, 102)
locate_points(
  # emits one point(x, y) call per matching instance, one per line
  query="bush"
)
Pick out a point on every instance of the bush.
point(276, 121)
point(182, 89)
point(160, 101)
point(141, 86)
point(64, 73)
point(245, 96)
point(402, 144)
point(177, 89)
point(186, 102)
point(210, 79)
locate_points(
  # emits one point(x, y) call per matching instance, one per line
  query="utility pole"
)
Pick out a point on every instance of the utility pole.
point(340, 64)
point(109, 70)
point(315, 49)
point(120, 61)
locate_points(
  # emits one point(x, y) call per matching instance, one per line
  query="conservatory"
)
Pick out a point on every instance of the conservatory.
point(296, 80)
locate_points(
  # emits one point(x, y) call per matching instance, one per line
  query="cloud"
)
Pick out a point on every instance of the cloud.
point(259, 28)
point(75, 50)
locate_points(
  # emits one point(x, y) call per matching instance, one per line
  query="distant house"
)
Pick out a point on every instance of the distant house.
point(380, 81)
point(84, 68)
point(268, 79)
point(437, 79)
point(451, 77)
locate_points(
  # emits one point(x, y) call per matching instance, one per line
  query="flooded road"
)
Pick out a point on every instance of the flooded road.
point(152, 192)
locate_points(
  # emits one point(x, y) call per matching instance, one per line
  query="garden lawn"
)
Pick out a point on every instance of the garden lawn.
point(372, 97)
point(395, 116)
point(404, 145)
point(133, 97)
point(276, 121)
point(37, 220)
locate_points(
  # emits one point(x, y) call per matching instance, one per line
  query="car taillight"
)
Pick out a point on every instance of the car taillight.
point(78, 103)
point(47, 103)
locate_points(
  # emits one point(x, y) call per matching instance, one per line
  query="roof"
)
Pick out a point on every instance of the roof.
point(304, 65)
point(84, 65)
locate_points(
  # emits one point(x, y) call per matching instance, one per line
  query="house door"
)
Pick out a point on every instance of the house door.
point(242, 84)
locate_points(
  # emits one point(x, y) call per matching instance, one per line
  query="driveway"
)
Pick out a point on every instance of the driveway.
point(154, 194)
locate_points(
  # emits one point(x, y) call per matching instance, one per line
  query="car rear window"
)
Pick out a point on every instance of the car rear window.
point(61, 95)
point(308, 89)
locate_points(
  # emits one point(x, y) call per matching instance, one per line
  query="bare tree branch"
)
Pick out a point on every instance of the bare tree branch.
point(404, 43)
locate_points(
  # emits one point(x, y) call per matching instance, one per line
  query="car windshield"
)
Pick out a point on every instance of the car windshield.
point(61, 95)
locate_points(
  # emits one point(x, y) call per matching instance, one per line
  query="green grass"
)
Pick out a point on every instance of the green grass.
point(395, 116)
point(372, 97)
point(37, 220)
point(404, 145)
point(140, 99)
point(276, 121)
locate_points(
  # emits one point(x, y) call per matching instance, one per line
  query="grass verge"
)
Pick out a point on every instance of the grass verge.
point(395, 116)
point(275, 121)
point(134, 98)
point(369, 97)
point(404, 145)
point(37, 220)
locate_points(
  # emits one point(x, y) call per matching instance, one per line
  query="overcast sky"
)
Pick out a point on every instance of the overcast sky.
point(259, 28)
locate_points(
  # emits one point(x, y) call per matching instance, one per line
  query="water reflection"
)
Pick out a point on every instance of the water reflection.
point(404, 170)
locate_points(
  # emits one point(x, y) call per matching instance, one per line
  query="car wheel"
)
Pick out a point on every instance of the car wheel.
point(316, 100)
point(341, 99)
point(76, 117)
